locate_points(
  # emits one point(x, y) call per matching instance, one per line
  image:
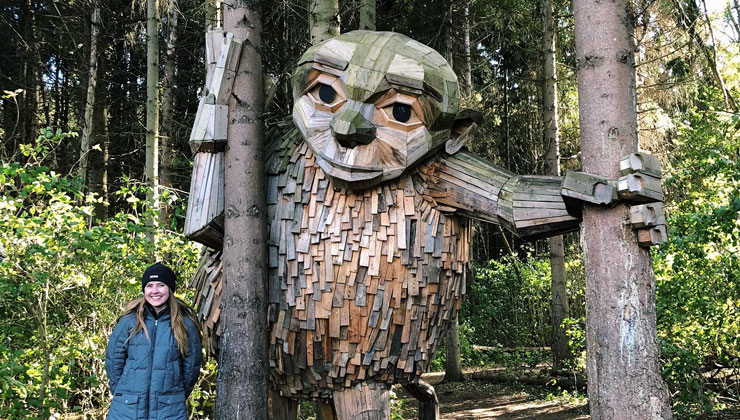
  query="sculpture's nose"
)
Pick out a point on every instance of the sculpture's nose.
point(350, 128)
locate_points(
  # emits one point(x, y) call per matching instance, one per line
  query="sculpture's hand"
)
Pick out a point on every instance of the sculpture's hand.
point(639, 183)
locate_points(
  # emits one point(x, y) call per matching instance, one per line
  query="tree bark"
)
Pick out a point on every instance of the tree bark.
point(734, 18)
point(453, 363)
point(167, 140)
point(367, 15)
point(93, 144)
point(92, 82)
point(323, 20)
point(460, 40)
point(212, 14)
point(242, 382)
point(28, 100)
point(152, 107)
point(559, 309)
point(97, 168)
point(458, 25)
point(623, 362)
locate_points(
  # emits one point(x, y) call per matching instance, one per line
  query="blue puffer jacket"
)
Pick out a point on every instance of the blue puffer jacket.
point(150, 380)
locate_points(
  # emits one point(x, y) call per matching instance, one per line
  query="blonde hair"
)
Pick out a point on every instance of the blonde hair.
point(178, 309)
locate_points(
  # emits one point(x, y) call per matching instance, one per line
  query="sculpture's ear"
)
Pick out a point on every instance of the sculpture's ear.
point(466, 121)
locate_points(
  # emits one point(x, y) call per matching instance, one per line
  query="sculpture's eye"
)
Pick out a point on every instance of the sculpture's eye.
point(401, 112)
point(327, 93)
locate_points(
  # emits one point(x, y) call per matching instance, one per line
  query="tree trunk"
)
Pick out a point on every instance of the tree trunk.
point(242, 382)
point(97, 168)
point(460, 40)
point(453, 363)
point(167, 140)
point(623, 363)
point(467, 74)
point(93, 144)
point(92, 82)
point(28, 100)
point(367, 15)
point(152, 106)
point(461, 61)
point(559, 309)
point(212, 13)
point(734, 18)
point(323, 20)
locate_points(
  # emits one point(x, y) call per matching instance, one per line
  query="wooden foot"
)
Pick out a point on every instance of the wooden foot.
point(428, 402)
point(283, 408)
point(363, 402)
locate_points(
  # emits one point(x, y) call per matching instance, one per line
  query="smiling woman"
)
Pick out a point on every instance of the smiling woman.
point(154, 353)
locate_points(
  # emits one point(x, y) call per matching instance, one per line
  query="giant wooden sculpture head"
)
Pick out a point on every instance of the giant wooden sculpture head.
point(371, 104)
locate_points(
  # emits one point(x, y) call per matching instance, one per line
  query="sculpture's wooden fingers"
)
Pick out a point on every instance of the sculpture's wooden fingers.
point(640, 180)
point(647, 215)
point(643, 163)
point(640, 187)
point(589, 188)
point(654, 235)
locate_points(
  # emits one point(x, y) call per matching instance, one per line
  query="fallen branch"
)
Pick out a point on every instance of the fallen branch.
point(577, 381)
point(511, 349)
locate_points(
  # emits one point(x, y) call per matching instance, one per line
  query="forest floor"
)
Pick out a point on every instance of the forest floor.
point(479, 399)
point(475, 399)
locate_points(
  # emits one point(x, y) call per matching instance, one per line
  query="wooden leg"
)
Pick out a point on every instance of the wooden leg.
point(363, 402)
point(325, 410)
point(283, 408)
point(428, 402)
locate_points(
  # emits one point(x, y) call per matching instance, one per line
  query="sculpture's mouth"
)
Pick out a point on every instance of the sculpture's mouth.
point(349, 173)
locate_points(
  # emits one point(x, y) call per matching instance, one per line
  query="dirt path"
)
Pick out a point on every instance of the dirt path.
point(473, 400)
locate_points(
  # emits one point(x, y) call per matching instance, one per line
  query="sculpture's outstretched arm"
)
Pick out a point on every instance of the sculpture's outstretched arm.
point(540, 206)
point(530, 206)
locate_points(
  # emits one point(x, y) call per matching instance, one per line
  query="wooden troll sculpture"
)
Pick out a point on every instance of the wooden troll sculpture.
point(370, 196)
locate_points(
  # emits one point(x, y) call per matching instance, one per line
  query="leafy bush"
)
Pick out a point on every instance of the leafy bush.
point(63, 282)
point(698, 270)
point(508, 304)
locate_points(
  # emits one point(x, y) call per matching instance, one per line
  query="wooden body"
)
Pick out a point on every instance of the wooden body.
point(362, 283)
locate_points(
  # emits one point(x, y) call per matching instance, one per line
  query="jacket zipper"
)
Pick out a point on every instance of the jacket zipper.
point(151, 363)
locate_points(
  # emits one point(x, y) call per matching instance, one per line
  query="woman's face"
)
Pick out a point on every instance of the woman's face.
point(157, 294)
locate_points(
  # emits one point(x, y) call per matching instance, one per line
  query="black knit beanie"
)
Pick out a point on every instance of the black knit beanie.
point(159, 272)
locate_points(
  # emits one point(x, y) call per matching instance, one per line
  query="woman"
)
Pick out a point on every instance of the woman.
point(154, 353)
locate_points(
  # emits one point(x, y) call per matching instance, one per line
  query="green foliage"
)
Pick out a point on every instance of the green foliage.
point(698, 270)
point(508, 304)
point(63, 282)
point(575, 329)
